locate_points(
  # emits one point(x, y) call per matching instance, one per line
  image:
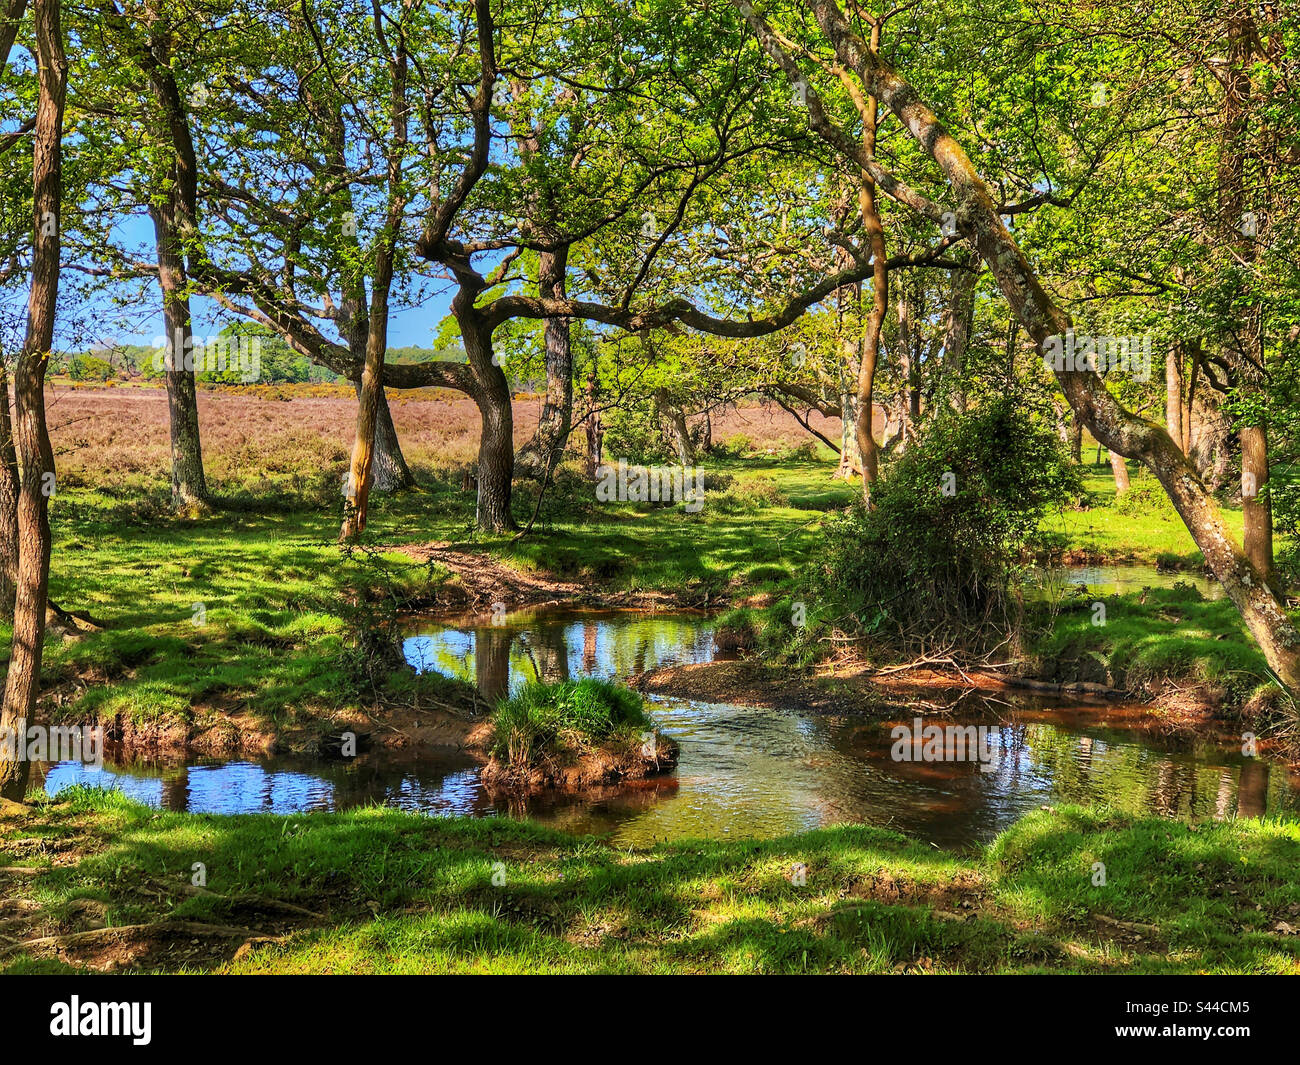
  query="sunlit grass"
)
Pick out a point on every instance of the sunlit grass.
point(409, 893)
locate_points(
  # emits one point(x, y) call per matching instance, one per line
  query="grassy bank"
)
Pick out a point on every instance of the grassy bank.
point(384, 891)
point(1144, 528)
point(241, 627)
point(1147, 640)
point(251, 615)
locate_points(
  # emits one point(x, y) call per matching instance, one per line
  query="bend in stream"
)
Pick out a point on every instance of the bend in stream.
point(743, 771)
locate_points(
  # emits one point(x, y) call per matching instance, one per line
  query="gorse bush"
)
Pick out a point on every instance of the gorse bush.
point(572, 716)
point(935, 556)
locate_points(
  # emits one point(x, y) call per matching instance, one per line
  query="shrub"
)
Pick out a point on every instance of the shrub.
point(634, 433)
point(1147, 500)
point(950, 521)
point(748, 497)
point(738, 444)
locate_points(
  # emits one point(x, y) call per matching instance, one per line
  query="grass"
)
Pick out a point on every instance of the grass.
point(253, 610)
point(1163, 633)
point(1110, 530)
point(402, 892)
point(558, 720)
point(280, 607)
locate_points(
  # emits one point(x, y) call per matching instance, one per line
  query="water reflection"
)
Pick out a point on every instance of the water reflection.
point(743, 771)
point(501, 655)
point(1119, 580)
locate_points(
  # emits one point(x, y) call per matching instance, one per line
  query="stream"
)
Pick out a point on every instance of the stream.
point(743, 771)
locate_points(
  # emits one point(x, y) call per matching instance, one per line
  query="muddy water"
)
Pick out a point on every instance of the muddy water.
point(743, 771)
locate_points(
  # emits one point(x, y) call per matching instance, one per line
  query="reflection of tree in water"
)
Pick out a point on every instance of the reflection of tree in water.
point(176, 789)
point(547, 653)
point(1252, 788)
point(492, 661)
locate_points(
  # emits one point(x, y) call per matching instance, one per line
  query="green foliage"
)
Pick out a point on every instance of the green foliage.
point(90, 368)
point(1147, 500)
point(634, 433)
point(747, 497)
point(949, 522)
point(572, 715)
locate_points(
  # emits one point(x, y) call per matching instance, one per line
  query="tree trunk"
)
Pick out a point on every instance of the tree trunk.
point(956, 334)
point(850, 454)
point(1247, 347)
point(356, 492)
point(1174, 392)
point(543, 452)
point(1120, 469)
point(31, 435)
point(1256, 511)
point(8, 504)
point(189, 486)
point(371, 393)
point(389, 472)
point(869, 209)
point(388, 469)
point(1109, 423)
point(496, 450)
point(678, 430)
point(904, 370)
point(595, 432)
point(1189, 407)
point(175, 220)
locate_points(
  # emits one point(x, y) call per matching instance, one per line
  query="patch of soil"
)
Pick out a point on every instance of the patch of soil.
point(482, 580)
point(592, 769)
point(749, 683)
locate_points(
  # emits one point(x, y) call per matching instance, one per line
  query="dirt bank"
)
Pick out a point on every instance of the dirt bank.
point(1187, 713)
point(481, 580)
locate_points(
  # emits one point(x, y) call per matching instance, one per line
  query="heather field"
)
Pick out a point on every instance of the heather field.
point(292, 441)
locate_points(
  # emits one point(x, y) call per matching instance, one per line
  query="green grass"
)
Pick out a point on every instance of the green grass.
point(277, 640)
point(553, 720)
point(761, 529)
point(407, 893)
point(239, 613)
point(274, 588)
point(1112, 532)
point(1162, 633)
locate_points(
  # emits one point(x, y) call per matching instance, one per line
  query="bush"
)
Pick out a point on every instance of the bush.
point(552, 719)
point(950, 521)
point(737, 444)
point(1147, 500)
point(633, 432)
point(748, 497)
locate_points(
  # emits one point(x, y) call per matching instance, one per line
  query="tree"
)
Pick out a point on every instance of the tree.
point(977, 216)
point(31, 436)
